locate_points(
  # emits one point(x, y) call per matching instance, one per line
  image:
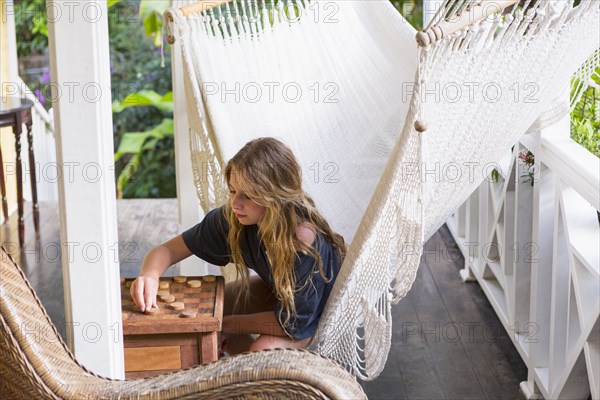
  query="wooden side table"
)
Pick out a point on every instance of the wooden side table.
point(15, 112)
point(168, 340)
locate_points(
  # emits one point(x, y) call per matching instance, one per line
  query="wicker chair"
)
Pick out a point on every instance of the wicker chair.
point(35, 363)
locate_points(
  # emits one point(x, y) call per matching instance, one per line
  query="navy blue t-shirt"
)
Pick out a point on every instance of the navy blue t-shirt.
point(208, 240)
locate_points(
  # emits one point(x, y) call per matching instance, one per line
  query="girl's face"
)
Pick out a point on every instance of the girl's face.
point(246, 210)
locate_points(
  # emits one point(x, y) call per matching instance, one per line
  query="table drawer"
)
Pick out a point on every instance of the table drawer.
point(152, 358)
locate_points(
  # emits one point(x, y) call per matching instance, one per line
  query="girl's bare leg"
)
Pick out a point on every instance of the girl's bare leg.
point(260, 299)
point(265, 342)
point(236, 344)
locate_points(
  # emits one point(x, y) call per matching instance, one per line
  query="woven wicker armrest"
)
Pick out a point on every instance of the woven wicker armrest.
point(35, 363)
point(270, 374)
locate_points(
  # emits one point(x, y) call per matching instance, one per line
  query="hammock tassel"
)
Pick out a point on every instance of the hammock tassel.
point(421, 126)
point(168, 26)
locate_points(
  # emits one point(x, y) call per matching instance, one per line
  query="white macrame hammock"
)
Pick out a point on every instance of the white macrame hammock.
point(343, 84)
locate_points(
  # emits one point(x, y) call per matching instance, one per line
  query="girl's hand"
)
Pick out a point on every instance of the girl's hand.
point(143, 292)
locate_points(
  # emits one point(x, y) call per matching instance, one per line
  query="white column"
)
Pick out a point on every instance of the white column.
point(80, 70)
point(13, 68)
point(190, 211)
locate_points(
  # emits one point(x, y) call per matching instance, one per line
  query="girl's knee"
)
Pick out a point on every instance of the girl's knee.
point(266, 342)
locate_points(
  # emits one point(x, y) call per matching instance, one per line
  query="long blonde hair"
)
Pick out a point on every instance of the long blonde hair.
point(269, 174)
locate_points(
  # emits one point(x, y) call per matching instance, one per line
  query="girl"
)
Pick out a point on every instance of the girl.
point(269, 225)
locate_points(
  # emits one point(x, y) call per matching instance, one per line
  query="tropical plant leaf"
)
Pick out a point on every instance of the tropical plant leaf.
point(585, 117)
point(152, 24)
point(127, 173)
point(151, 12)
point(136, 142)
point(146, 98)
point(147, 7)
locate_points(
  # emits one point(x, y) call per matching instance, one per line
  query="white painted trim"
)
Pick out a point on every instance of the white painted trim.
point(580, 168)
point(13, 62)
point(79, 58)
point(190, 212)
point(557, 217)
point(37, 106)
point(429, 9)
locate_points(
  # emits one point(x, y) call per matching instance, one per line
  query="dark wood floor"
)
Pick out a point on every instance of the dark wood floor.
point(447, 341)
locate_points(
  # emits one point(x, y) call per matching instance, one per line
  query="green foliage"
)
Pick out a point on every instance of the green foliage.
point(527, 159)
point(145, 98)
point(137, 150)
point(585, 117)
point(495, 176)
point(135, 60)
point(151, 12)
point(412, 10)
point(31, 27)
point(146, 158)
point(142, 146)
point(135, 142)
point(155, 173)
point(142, 117)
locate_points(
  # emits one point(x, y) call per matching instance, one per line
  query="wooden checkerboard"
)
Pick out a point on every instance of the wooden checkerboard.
point(170, 339)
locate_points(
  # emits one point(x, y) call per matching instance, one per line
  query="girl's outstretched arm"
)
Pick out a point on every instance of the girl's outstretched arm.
point(143, 290)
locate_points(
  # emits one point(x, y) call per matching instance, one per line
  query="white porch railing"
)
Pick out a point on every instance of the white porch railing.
point(44, 148)
point(535, 251)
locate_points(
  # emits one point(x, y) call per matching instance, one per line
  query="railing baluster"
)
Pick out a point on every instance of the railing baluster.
point(548, 282)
